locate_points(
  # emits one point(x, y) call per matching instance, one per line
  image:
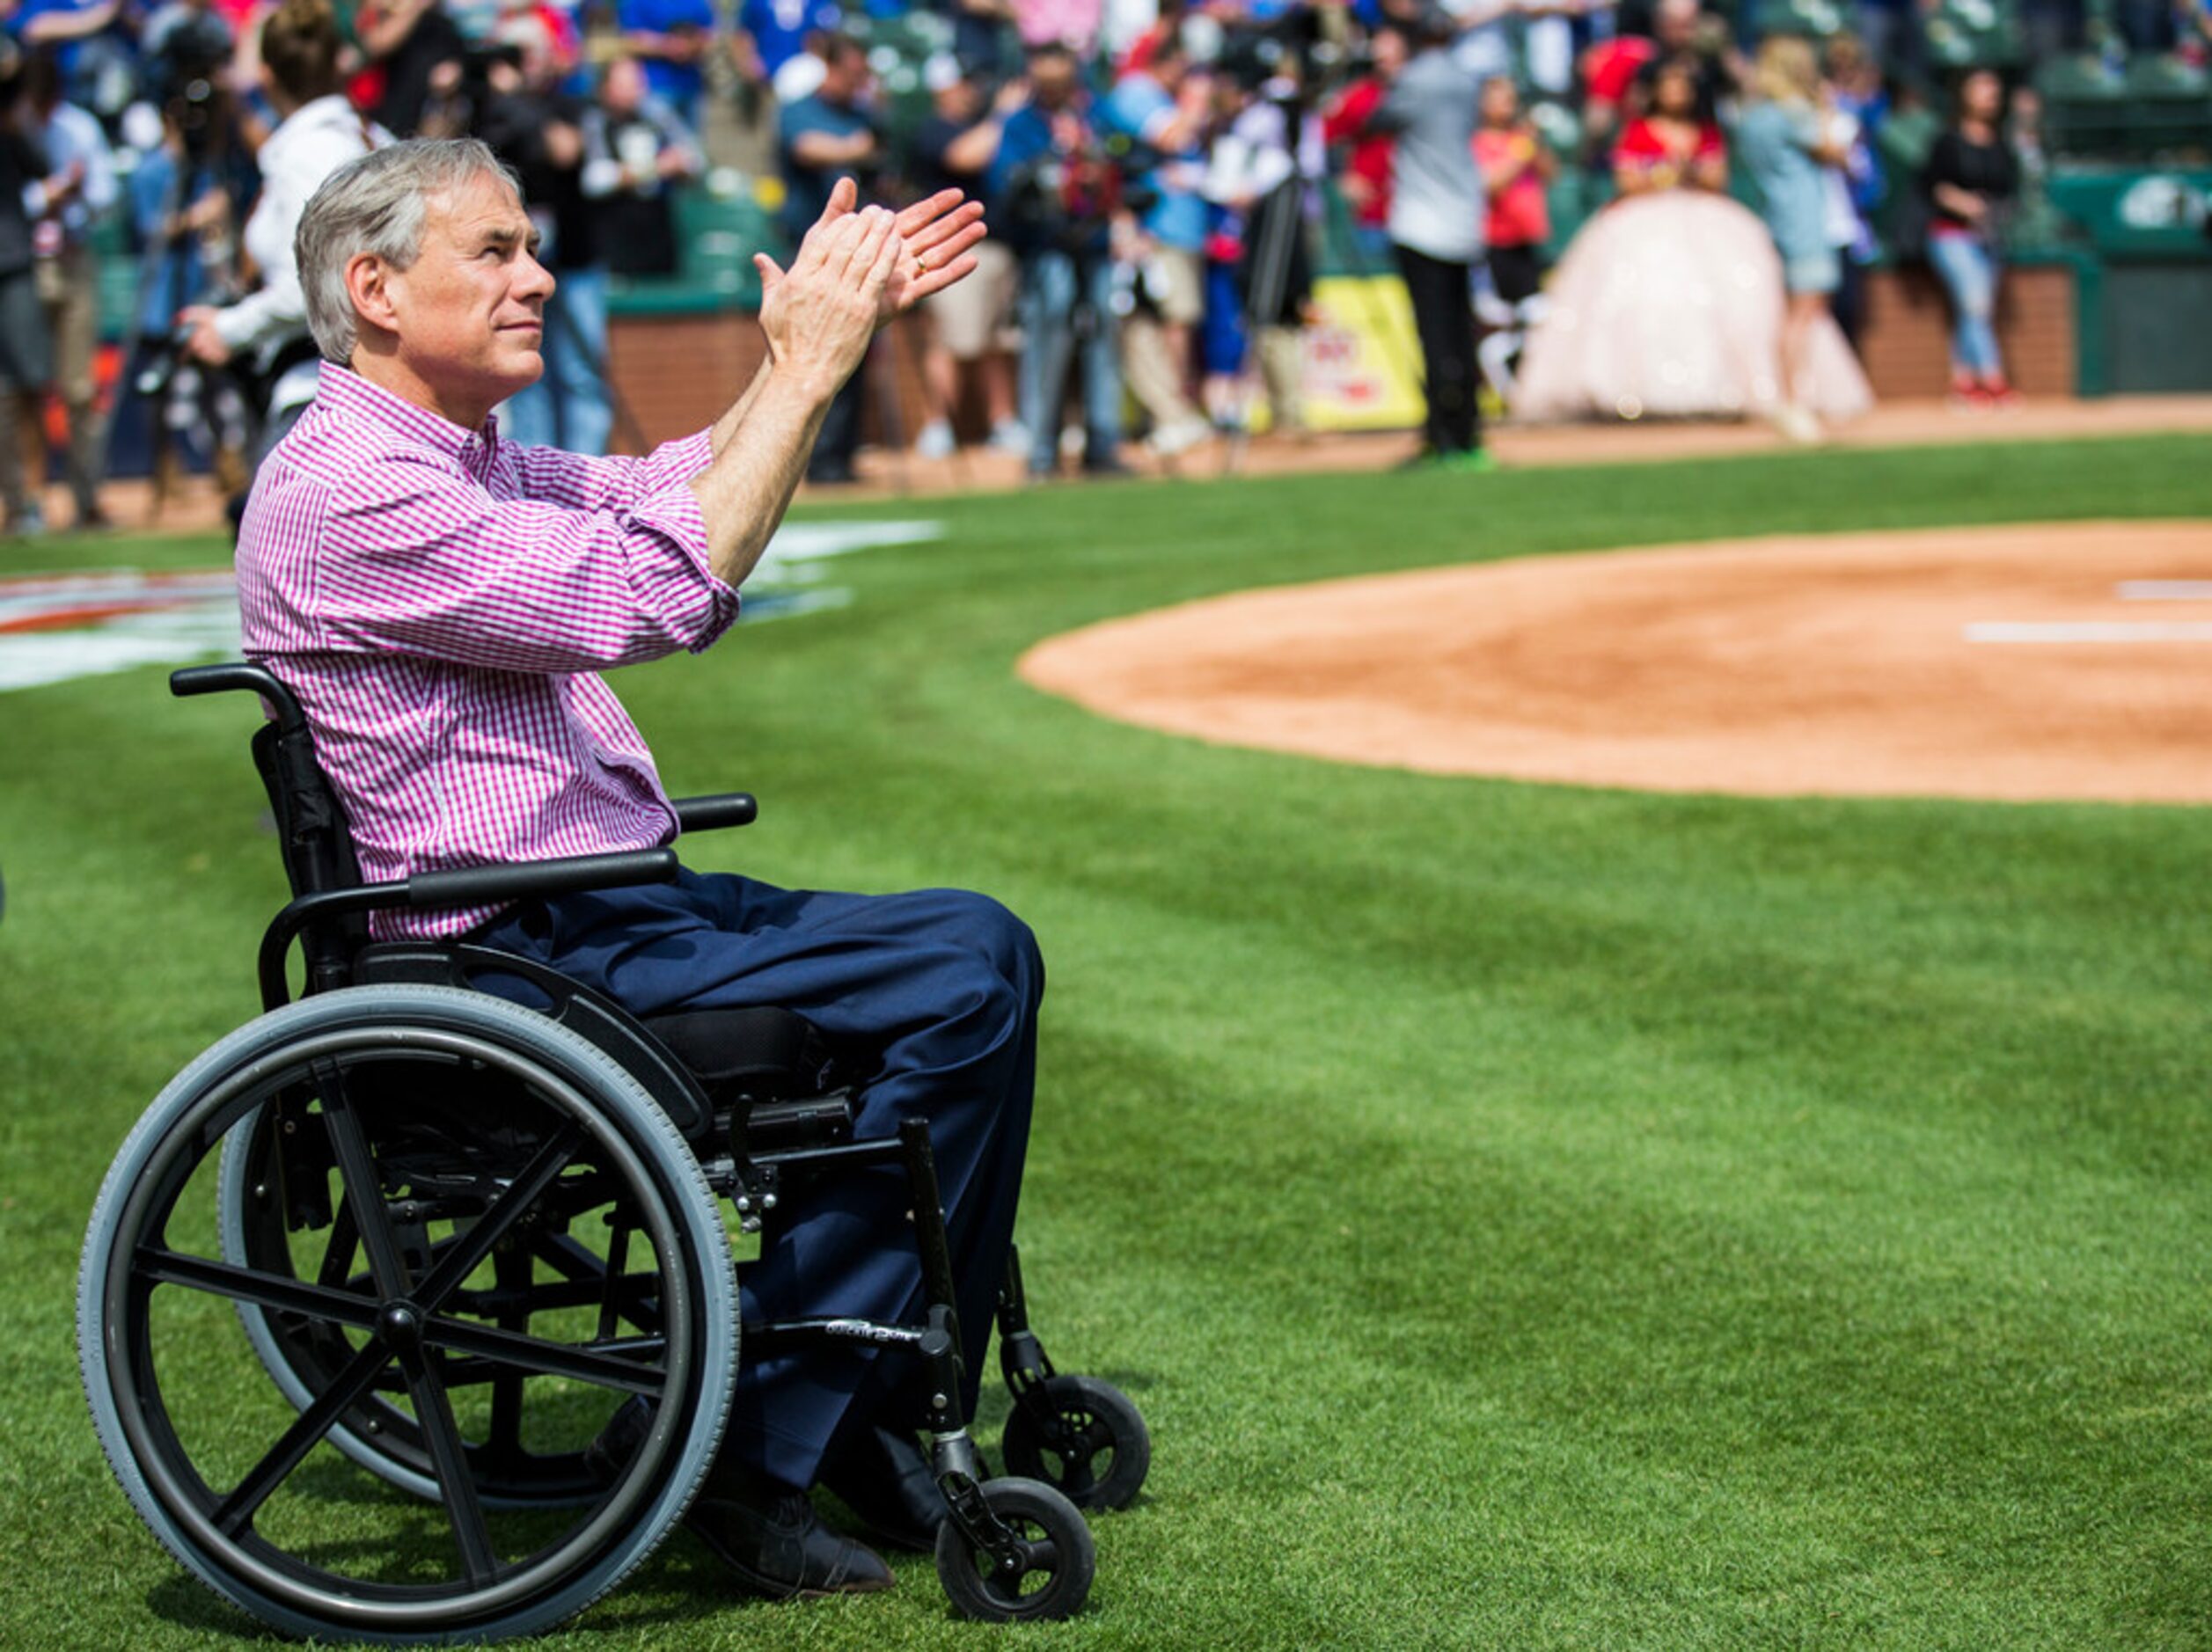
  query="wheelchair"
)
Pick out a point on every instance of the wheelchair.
point(370, 1276)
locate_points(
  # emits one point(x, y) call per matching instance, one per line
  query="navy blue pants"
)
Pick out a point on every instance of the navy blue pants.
point(933, 995)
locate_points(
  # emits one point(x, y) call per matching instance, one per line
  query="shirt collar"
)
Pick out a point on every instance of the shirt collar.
point(345, 393)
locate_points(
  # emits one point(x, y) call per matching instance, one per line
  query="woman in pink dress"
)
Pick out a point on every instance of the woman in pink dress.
point(1669, 303)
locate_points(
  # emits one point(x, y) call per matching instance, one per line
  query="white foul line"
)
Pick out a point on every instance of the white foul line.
point(2088, 631)
point(2165, 591)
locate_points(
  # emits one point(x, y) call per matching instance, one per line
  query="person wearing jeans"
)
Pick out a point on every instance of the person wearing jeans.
point(1055, 193)
point(1066, 304)
point(1972, 177)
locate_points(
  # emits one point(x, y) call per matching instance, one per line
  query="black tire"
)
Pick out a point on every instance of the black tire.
point(1096, 1449)
point(461, 1128)
point(1051, 1575)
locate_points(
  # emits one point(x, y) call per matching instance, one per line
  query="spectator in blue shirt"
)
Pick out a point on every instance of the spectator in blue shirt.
point(93, 44)
point(1784, 142)
point(1165, 111)
point(673, 38)
point(779, 30)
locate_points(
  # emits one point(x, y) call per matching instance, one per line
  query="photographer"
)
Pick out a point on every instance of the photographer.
point(1056, 193)
point(187, 198)
point(318, 133)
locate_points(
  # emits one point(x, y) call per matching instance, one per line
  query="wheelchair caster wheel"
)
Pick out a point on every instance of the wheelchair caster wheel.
point(1095, 1451)
point(1042, 1571)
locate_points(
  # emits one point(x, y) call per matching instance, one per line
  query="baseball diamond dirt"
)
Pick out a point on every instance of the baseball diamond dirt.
point(2021, 663)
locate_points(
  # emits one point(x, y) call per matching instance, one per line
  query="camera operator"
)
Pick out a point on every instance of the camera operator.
point(188, 194)
point(318, 133)
point(1056, 193)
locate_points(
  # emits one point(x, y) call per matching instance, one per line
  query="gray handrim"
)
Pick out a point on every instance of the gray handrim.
point(207, 1100)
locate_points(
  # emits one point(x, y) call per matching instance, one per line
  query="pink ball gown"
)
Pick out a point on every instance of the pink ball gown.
point(1669, 305)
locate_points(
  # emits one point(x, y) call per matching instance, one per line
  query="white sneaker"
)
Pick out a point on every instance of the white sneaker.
point(1798, 425)
point(1179, 437)
point(1010, 436)
point(935, 441)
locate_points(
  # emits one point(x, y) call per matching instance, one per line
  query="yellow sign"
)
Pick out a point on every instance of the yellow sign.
point(1363, 357)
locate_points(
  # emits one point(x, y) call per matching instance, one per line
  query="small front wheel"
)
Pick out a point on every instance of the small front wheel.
point(1042, 1571)
point(1093, 1448)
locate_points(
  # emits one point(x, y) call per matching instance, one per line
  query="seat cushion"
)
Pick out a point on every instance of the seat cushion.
point(762, 1053)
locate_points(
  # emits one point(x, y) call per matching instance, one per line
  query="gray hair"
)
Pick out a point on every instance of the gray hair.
point(377, 204)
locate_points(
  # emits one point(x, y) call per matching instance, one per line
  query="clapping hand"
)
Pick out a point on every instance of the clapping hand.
point(937, 235)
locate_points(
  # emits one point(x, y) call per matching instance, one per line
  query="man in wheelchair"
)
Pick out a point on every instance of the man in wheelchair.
point(440, 602)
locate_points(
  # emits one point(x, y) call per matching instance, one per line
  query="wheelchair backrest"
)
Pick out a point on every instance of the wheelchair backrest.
point(313, 833)
point(317, 845)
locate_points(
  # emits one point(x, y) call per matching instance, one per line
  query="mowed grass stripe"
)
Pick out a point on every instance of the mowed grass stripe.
point(1530, 1217)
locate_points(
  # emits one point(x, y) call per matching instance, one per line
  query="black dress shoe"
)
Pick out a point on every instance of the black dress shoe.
point(766, 1534)
point(883, 1477)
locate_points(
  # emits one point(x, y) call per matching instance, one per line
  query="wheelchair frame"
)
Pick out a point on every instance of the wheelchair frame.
point(1014, 1548)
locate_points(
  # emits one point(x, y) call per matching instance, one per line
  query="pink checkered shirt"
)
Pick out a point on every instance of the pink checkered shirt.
point(441, 603)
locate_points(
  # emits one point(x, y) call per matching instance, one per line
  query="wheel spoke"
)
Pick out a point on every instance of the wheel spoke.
point(457, 1486)
point(236, 1512)
point(601, 1367)
point(338, 1255)
point(364, 1193)
point(248, 1285)
point(469, 1249)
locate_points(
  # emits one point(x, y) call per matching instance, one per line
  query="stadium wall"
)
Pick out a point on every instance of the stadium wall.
point(677, 369)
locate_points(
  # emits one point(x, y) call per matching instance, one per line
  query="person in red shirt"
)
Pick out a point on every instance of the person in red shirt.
point(1516, 167)
point(1364, 175)
point(1671, 147)
point(1669, 303)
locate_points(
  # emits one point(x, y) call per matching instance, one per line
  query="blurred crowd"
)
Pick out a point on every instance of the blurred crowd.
point(1161, 174)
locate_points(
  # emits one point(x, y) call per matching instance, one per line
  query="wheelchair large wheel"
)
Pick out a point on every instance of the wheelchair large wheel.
point(303, 1356)
point(431, 1155)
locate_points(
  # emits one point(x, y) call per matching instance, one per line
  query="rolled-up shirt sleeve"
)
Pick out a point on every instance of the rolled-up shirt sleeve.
point(433, 565)
point(585, 483)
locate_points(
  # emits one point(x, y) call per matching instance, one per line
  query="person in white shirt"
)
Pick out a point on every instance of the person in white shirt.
point(319, 132)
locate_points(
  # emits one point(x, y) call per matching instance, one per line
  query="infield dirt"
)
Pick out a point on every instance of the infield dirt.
point(2021, 663)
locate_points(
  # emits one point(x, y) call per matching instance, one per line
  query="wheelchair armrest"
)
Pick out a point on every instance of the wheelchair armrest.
point(464, 886)
point(497, 886)
point(237, 674)
point(713, 814)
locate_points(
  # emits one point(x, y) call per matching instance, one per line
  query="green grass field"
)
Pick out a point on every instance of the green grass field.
point(1530, 1216)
